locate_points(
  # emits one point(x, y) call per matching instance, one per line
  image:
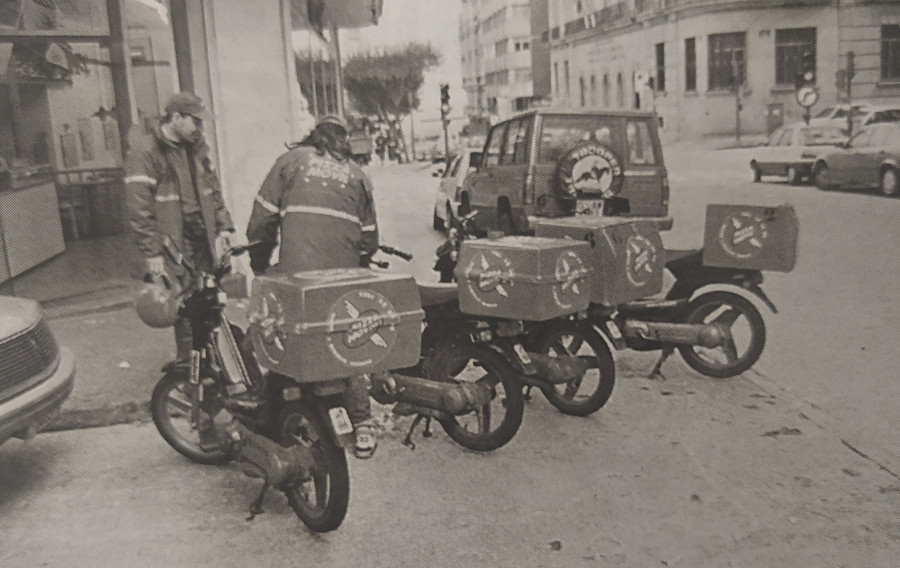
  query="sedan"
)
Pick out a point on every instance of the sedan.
point(447, 202)
point(791, 151)
point(871, 159)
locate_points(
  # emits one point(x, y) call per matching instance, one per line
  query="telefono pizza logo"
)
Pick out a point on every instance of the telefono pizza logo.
point(361, 328)
point(641, 255)
point(570, 272)
point(489, 277)
point(744, 234)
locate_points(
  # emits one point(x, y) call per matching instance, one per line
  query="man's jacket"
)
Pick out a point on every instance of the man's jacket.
point(324, 209)
point(157, 174)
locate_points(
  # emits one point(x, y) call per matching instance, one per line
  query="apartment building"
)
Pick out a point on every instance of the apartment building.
point(709, 67)
point(495, 45)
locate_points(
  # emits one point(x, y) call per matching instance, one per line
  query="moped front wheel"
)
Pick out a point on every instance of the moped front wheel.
point(494, 424)
point(745, 339)
point(183, 422)
point(321, 501)
point(589, 393)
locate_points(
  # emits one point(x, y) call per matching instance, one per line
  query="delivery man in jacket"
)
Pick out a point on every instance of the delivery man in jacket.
point(321, 202)
point(172, 191)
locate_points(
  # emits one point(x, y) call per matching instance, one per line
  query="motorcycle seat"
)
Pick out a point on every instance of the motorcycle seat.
point(673, 255)
point(437, 293)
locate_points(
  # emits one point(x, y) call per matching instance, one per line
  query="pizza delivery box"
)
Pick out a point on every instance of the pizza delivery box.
point(327, 324)
point(750, 236)
point(626, 255)
point(523, 278)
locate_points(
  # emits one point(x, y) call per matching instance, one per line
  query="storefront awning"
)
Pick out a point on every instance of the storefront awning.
point(319, 14)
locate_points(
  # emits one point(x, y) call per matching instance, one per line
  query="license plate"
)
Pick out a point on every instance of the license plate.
point(340, 420)
point(613, 329)
point(589, 207)
point(523, 355)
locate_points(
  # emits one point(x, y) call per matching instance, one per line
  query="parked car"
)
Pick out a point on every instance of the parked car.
point(870, 159)
point(452, 178)
point(885, 113)
point(560, 163)
point(836, 115)
point(36, 375)
point(791, 150)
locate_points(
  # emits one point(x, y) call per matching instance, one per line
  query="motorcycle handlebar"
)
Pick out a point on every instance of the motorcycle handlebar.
point(392, 251)
point(178, 258)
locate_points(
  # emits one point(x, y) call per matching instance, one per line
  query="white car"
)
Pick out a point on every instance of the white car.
point(447, 202)
point(836, 115)
point(792, 149)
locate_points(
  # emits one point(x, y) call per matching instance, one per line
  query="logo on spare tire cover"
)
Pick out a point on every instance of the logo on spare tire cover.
point(640, 259)
point(489, 277)
point(590, 168)
point(361, 328)
point(743, 235)
point(569, 272)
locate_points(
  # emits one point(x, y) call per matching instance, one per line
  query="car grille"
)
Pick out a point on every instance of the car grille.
point(24, 357)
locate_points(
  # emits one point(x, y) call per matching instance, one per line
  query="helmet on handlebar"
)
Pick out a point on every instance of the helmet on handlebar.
point(157, 301)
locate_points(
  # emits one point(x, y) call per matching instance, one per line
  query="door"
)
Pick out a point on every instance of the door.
point(844, 165)
point(510, 175)
point(480, 185)
point(643, 184)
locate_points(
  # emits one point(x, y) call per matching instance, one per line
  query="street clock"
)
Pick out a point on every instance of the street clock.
point(807, 96)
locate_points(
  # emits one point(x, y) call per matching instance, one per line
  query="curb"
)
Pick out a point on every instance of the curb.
point(126, 413)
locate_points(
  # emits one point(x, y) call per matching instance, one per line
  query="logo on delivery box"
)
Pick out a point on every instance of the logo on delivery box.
point(489, 277)
point(570, 270)
point(743, 235)
point(361, 328)
point(267, 327)
point(640, 260)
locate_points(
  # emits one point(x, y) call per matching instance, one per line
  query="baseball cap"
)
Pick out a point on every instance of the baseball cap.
point(188, 103)
point(334, 119)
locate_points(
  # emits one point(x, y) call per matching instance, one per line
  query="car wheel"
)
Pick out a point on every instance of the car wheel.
point(757, 174)
point(793, 175)
point(436, 222)
point(820, 176)
point(889, 184)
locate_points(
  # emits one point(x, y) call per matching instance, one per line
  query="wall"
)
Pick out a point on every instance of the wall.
point(244, 68)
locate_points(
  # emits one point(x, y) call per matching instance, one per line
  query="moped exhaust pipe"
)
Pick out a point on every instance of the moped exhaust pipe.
point(558, 370)
point(703, 335)
point(453, 399)
point(258, 456)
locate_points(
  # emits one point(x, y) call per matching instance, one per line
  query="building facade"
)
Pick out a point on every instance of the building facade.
point(495, 45)
point(714, 67)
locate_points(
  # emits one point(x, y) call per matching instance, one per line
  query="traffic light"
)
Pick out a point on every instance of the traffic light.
point(807, 75)
point(445, 100)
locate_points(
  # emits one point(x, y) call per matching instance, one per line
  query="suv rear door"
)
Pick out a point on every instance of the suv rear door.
point(646, 182)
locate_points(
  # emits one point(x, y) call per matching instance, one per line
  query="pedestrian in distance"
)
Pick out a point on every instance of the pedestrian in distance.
point(173, 191)
point(320, 201)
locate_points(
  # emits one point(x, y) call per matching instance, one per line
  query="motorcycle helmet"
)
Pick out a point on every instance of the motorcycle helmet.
point(157, 301)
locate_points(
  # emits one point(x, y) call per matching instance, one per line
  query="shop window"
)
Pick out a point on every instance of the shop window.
point(86, 138)
point(69, 146)
point(606, 98)
point(500, 48)
point(566, 78)
point(582, 91)
point(726, 60)
point(690, 64)
point(890, 52)
point(593, 90)
point(620, 90)
point(790, 45)
point(556, 77)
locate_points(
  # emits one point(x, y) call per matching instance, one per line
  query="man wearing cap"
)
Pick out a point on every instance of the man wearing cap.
point(172, 191)
point(321, 202)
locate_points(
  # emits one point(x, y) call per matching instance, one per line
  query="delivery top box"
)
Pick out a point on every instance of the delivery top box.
point(750, 236)
point(626, 255)
point(325, 324)
point(523, 278)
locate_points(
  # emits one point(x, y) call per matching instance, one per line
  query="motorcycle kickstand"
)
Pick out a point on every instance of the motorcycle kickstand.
point(527, 394)
point(407, 441)
point(256, 506)
point(657, 368)
point(427, 433)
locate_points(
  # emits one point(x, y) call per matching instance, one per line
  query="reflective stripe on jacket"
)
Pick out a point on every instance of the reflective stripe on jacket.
point(156, 173)
point(323, 207)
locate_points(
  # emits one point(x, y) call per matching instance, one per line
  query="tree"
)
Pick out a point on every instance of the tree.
point(387, 84)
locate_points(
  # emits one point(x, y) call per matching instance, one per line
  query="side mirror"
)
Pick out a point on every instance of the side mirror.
point(475, 161)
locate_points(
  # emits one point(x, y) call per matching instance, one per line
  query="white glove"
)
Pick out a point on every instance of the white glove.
point(156, 265)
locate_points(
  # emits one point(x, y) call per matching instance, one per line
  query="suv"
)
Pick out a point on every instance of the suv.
point(36, 376)
point(561, 163)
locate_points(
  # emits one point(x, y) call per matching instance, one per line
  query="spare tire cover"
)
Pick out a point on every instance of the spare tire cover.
point(589, 168)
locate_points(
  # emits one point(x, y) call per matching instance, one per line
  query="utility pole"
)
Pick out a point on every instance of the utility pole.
point(737, 81)
point(412, 126)
point(805, 82)
point(851, 71)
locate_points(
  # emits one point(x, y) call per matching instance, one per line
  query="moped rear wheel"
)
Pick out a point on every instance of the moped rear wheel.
point(587, 394)
point(321, 501)
point(190, 432)
point(746, 328)
point(494, 424)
